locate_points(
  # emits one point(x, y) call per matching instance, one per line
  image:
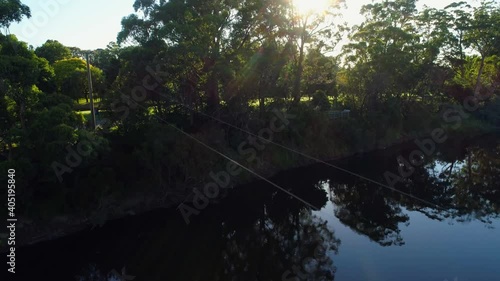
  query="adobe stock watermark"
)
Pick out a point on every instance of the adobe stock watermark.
point(427, 147)
point(41, 18)
point(222, 179)
point(76, 153)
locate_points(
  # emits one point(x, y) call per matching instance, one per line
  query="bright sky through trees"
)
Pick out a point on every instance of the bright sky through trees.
point(93, 24)
point(307, 6)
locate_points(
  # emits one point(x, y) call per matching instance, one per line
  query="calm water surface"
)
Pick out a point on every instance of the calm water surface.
point(361, 232)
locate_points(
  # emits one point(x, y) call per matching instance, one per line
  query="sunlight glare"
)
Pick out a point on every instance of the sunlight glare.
point(310, 6)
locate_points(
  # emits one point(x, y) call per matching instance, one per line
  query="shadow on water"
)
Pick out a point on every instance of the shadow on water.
point(259, 233)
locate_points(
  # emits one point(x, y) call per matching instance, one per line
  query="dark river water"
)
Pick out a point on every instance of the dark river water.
point(363, 231)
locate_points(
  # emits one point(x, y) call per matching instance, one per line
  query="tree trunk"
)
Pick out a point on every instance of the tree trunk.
point(213, 99)
point(477, 88)
point(298, 75)
point(261, 104)
point(211, 87)
point(260, 95)
point(451, 171)
point(462, 56)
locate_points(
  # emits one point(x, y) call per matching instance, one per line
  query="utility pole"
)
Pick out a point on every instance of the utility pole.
point(92, 110)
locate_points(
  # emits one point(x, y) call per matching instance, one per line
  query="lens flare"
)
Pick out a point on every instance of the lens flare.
point(310, 6)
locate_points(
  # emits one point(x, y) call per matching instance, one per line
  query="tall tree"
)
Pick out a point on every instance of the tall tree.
point(204, 36)
point(21, 70)
point(12, 11)
point(319, 73)
point(53, 51)
point(464, 29)
point(483, 35)
point(312, 27)
point(387, 50)
point(107, 60)
point(71, 77)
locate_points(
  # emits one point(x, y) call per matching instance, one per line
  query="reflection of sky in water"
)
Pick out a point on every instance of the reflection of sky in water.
point(435, 250)
point(437, 167)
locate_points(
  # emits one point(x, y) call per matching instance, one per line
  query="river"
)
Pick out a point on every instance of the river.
point(441, 223)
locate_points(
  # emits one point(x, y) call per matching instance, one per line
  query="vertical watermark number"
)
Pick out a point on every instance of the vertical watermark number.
point(11, 219)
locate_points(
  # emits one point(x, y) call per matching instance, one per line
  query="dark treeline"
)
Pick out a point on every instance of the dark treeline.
point(188, 62)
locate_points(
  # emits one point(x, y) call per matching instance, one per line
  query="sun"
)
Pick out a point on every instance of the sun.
point(306, 7)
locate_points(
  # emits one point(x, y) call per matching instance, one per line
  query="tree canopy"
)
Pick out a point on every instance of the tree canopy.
point(12, 11)
point(53, 51)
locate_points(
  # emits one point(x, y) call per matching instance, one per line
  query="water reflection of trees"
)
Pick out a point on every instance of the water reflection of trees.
point(271, 253)
point(462, 179)
point(476, 183)
point(267, 236)
point(365, 210)
point(465, 185)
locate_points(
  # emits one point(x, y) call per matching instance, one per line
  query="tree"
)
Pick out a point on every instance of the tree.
point(466, 29)
point(12, 11)
point(198, 28)
point(108, 61)
point(320, 73)
point(21, 71)
point(53, 51)
point(216, 41)
point(313, 28)
point(483, 35)
point(36, 127)
point(451, 24)
point(388, 52)
point(77, 52)
point(71, 77)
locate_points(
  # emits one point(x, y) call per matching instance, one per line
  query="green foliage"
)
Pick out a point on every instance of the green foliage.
point(108, 61)
point(320, 74)
point(321, 101)
point(53, 51)
point(12, 11)
point(471, 67)
point(71, 77)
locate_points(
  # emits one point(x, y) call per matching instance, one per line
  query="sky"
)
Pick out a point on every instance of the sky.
point(92, 24)
point(87, 24)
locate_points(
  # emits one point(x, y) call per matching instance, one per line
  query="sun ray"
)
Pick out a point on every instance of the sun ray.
point(306, 7)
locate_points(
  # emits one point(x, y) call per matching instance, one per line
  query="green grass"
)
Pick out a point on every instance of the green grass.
point(151, 110)
point(82, 105)
point(83, 101)
point(305, 99)
point(85, 114)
